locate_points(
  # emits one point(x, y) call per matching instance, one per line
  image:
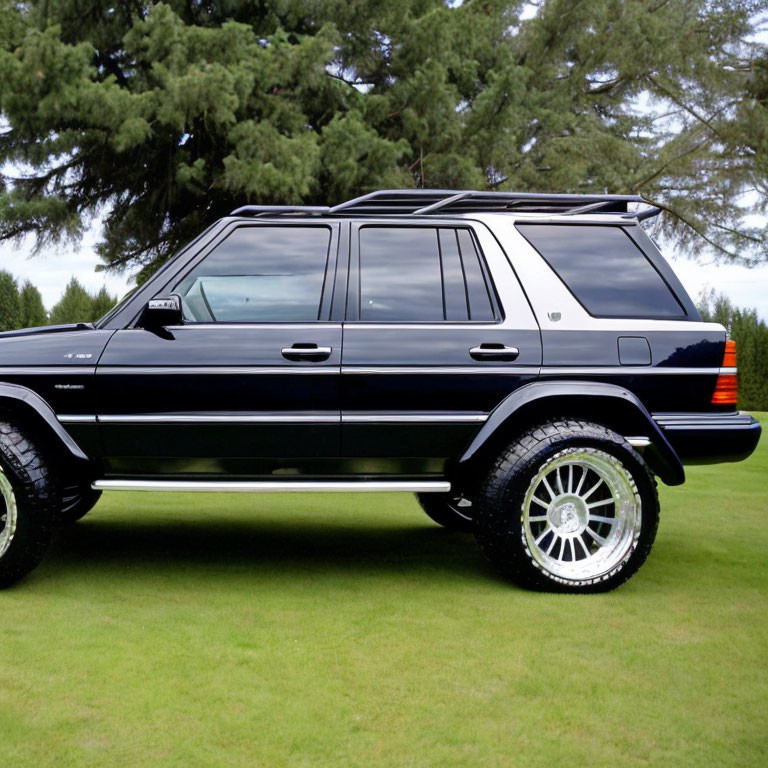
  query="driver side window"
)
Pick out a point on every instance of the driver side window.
point(259, 275)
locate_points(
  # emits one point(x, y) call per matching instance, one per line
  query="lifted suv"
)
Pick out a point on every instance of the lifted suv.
point(527, 364)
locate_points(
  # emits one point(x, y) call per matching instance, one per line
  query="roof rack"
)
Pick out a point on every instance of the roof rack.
point(426, 202)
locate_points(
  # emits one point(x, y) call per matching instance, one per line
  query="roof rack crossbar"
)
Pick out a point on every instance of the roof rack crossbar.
point(442, 204)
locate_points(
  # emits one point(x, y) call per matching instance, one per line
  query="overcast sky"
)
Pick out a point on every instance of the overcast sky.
point(52, 269)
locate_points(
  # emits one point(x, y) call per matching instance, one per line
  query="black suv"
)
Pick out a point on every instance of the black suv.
point(526, 364)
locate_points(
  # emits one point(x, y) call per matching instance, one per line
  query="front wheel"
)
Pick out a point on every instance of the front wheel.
point(28, 494)
point(569, 507)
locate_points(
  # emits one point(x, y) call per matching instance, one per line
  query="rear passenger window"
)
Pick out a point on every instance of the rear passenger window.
point(604, 269)
point(426, 274)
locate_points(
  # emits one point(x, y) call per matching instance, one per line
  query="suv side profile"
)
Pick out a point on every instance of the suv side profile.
point(527, 364)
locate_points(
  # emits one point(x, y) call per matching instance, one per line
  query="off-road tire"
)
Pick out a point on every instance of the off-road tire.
point(76, 503)
point(35, 493)
point(444, 510)
point(499, 517)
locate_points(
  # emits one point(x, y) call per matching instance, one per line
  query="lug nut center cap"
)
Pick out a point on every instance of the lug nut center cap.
point(565, 517)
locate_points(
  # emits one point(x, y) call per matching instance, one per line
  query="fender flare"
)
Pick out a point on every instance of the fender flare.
point(660, 455)
point(31, 401)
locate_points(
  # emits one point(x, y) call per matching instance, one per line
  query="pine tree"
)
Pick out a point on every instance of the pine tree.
point(10, 314)
point(75, 306)
point(102, 303)
point(171, 114)
point(33, 312)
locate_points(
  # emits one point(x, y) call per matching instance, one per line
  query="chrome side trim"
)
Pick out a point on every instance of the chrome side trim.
point(63, 370)
point(283, 370)
point(420, 418)
point(477, 370)
point(320, 324)
point(293, 417)
point(627, 370)
point(639, 442)
point(224, 418)
point(66, 418)
point(272, 486)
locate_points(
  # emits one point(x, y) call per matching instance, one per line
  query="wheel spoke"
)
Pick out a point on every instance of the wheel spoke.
point(593, 489)
point(600, 503)
point(599, 539)
point(570, 478)
point(538, 501)
point(559, 481)
point(573, 550)
point(562, 549)
point(581, 480)
point(536, 518)
point(601, 519)
point(543, 534)
point(551, 543)
point(551, 493)
point(583, 545)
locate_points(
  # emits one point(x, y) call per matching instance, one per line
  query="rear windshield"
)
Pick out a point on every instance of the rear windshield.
point(604, 269)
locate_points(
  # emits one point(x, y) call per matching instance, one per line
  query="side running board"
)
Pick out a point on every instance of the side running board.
point(272, 486)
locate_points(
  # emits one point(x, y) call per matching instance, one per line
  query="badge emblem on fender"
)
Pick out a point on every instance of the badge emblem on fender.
point(78, 355)
point(554, 316)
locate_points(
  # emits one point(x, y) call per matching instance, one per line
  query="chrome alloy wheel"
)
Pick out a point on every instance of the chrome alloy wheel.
point(8, 513)
point(581, 515)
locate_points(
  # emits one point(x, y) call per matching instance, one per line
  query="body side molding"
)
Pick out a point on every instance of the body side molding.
point(661, 456)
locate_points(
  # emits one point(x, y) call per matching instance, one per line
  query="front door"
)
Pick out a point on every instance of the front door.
point(251, 377)
point(438, 333)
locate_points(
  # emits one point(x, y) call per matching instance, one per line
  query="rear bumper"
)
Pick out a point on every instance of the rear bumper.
point(710, 438)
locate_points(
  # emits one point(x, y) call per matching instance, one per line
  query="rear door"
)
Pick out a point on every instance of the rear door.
point(438, 332)
point(249, 383)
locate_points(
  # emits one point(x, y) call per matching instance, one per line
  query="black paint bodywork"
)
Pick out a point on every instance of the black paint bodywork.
point(221, 400)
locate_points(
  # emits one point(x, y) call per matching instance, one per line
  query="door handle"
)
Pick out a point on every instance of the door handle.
point(494, 352)
point(306, 352)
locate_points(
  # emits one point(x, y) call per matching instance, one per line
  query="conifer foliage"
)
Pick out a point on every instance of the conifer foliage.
point(32, 310)
point(10, 312)
point(25, 309)
point(164, 116)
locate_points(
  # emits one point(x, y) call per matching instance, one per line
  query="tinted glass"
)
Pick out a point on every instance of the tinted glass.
point(260, 274)
point(400, 275)
point(453, 277)
point(480, 307)
point(604, 270)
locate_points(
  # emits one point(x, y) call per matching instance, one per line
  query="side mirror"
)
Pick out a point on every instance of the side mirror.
point(162, 311)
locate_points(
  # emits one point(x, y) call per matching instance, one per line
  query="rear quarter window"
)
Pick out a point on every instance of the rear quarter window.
point(604, 269)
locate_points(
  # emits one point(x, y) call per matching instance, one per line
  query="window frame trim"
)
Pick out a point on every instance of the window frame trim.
point(353, 312)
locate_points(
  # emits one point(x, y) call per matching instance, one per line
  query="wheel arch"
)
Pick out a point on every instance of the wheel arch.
point(607, 404)
point(32, 410)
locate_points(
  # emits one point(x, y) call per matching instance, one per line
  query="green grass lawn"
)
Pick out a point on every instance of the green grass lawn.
point(325, 630)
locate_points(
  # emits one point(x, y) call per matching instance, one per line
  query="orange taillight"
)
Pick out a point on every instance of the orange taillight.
point(727, 386)
point(729, 356)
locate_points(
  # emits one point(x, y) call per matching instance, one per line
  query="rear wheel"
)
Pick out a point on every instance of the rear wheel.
point(450, 510)
point(569, 507)
point(27, 497)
